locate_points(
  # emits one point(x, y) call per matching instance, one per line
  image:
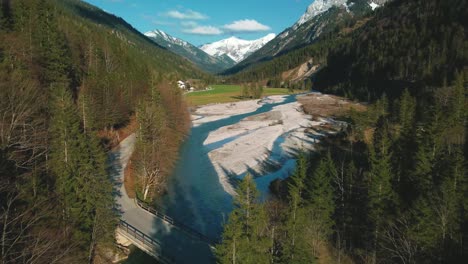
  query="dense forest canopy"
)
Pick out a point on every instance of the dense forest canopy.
point(68, 73)
point(408, 44)
point(392, 187)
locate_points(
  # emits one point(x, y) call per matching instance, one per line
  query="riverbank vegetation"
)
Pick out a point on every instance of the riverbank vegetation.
point(391, 188)
point(58, 92)
point(159, 134)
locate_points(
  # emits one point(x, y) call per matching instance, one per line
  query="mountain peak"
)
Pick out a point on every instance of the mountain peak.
point(157, 33)
point(269, 36)
point(318, 7)
point(233, 38)
point(236, 48)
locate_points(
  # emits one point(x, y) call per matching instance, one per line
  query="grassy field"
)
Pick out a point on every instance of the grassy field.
point(226, 94)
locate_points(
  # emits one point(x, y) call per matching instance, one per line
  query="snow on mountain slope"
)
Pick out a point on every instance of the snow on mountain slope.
point(161, 34)
point(236, 48)
point(189, 51)
point(318, 7)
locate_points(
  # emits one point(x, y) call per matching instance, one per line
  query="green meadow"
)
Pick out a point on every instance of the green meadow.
point(226, 94)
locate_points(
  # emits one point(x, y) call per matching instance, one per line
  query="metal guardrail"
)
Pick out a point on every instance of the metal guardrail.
point(181, 226)
point(146, 241)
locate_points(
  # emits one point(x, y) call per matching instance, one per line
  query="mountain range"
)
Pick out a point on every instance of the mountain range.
point(237, 49)
point(213, 57)
point(233, 54)
point(213, 64)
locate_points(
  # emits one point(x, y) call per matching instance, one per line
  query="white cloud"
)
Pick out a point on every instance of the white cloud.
point(204, 30)
point(189, 14)
point(189, 24)
point(246, 26)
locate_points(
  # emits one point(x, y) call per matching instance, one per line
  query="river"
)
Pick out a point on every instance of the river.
point(195, 195)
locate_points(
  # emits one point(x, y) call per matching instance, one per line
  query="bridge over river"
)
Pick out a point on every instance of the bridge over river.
point(151, 230)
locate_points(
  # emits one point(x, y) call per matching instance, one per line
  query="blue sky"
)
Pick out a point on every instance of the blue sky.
point(204, 21)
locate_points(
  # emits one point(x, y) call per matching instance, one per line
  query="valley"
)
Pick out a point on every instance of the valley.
point(263, 132)
point(218, 151)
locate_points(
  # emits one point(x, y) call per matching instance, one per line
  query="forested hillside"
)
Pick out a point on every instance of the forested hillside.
point(306, 32)
point(406, 44)
point(393, 186)
point(68, 72)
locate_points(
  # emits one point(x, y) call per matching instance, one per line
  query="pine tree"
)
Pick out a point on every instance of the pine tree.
point(53, 50)
point(96, 192)
point(407, 112)
point(260, 242)
point(229, 250)
point(382, 198)
point(321, 193)
point(246, 201)
point(422, 174)
point(65, 138)
point(297, 185)
point(437, 221)
point(245, 237)
point(295, 246)
point(458, 111)
point(405, 145)
point(79, 165)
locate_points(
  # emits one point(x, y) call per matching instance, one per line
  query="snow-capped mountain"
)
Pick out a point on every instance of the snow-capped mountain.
point(159, 34)
point(190, 52)
point(320, 6)
point(236, 48)
point(321, 17)
point(317, 8)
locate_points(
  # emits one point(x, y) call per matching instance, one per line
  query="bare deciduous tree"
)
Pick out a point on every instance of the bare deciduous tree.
point(24, 237)
point(397, 242)
point(22, 130)
point(151, 151)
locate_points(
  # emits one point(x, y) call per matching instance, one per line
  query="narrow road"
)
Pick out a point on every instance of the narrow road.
point(175, 244)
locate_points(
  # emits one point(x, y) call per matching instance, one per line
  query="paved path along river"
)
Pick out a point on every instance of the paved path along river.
point(175, 244)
